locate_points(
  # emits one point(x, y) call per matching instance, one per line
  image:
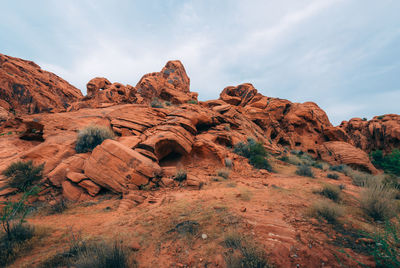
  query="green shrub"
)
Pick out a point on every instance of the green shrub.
point(390, 163)
point(333, 176)
point(156, 103)
point(223, 173)
point(168, 103)
point(305, 171)
point(255, 152)
point(181, 175)
point(377, 201)
point(385, 249)
point(91, 136)
point(22, 175)
point(192, 102)
point(327, 210)
point(338, 168)
point(332, 192)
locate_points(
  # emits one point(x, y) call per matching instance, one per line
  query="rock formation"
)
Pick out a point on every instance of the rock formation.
point(379, 133)
point(26, 88)
point(150, 141)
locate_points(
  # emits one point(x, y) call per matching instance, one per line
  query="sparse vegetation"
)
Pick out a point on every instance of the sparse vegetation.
point(156, 103)
point(58, 207)
point(248, 256)
point(305, 171)
point(338, 168)
point(223, 173)
point(385, 249)
point(327, 210)
point(180, 175)
point(192, 101)
point(22, 175)
point(332, 192)
point(377, 201)
point(13, 242)
point(255, 152)
point(228, 162)
point(85, 254)
point(168, 103)
point(14, 232)
point(91, 136)
point(390, 163)
point(333, 176)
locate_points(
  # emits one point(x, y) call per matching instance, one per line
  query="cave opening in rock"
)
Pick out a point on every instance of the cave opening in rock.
point(169, 152)
point(202, 127)
point(172, 159)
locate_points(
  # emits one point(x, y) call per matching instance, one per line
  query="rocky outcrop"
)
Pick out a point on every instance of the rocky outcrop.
point(26, 88)
point(171, 84)
point(338, 152)
point(379, 133)
point(119, 168)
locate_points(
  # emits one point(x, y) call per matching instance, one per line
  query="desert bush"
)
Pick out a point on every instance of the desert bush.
point(385, 249)
point(91, 136)
point(22, 175)
point(12, 242)
point(224, 173)
point(168, 103)
point(333, 176)
point(192, 101)
point(338, 168)
point(59, 206)
point(228, 162)
point(332, 192)
point(156, 103)
point(327, 210)
point(255, 152)
point(250, 256)
point(377, 201)
point(86, 254)
point(390, 163)
point(180, 175)
point(305, 171)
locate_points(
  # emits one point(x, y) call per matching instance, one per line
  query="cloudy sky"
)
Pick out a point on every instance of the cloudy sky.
point(342, 54)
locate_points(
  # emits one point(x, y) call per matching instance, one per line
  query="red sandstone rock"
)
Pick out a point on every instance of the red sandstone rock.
point(114, 166)
point(379, 133)
point(337, 152)
point(91, 187)
point(171, 84)
point(26, 88)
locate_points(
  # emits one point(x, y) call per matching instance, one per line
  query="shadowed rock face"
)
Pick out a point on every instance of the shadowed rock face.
point(26, 88)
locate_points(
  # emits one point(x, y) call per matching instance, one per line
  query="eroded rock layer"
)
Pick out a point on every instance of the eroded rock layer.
point(26, 88)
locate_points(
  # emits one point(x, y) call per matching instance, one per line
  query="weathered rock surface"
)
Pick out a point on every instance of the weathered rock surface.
point(26, 88)
point(379, 133)
point(117, 167)
point(171, 84)
point(338, 152)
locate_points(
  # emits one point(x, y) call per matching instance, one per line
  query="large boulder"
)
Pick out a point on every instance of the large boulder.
point(118, 168)
point(26, 88)
point(338, 152)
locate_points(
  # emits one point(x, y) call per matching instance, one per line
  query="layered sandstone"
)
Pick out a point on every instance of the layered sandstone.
point(26, 88)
